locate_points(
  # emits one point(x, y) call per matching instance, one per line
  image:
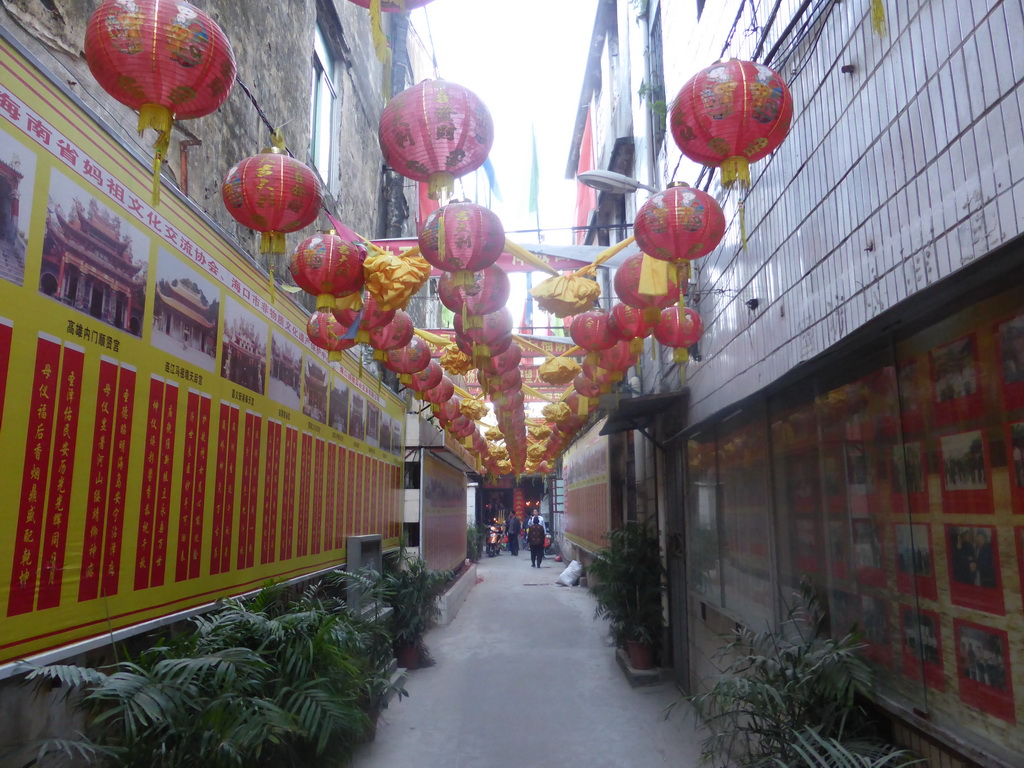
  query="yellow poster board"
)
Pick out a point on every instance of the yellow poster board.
point(587, 505)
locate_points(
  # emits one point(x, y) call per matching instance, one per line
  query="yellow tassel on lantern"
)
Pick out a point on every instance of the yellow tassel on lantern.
point(271, 266)
point(583, 408)
point(653, 277)
point(272, 242)
point(463, 277)
point(743, 225)
point(652, 315)
point(878, 17)
point(159, 118)
point(735, 170)
point(636, 346)
point(440, 186)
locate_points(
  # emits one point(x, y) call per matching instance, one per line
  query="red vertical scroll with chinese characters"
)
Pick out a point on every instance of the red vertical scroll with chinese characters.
point(304, 480)
point(96, 503)
point(271, 480)
point(38, 445)
point(250, 494)
point(331, 471)
point(117, 500)
point(62, 469)
point(223, 432)
point(318, 498)
point(291, 448)
point(168, 434)
point(150, 475)
point(376, 513)
point(355, 471)
point(199, 489)
point(6, 328)
point(188, 482)
point(341, 499)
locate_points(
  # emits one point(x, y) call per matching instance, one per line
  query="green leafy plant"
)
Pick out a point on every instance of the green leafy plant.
point(412, 590)
point(789, 698)
point(627, 579)
point(475, 536)
point(268, 682)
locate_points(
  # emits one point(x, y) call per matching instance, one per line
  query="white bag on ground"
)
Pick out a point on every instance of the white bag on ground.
point(571, 574)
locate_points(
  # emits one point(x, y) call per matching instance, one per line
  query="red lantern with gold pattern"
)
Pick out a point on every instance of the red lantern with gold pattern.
point(462, 238)
point(326, 332)
point(370, 317)
point(588, 387)
point(327, 266)
point(393, 335)
point(435, 132)
point(590, 331)
point(487, 292)
point(628, 285)
point(629, 324)
point(731, 114)
point(465, 345)
point(426, 379)
point(494, 328)
point(442, 393)
point(408, 360)
point(462, 426)
point(679, 335)
point(508, 360)
point(505, 382)
point(167, 60)
point(274, 194)
point(679, 224)
point(448, 410)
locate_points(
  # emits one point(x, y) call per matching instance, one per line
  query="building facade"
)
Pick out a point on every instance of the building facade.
point(851, 408)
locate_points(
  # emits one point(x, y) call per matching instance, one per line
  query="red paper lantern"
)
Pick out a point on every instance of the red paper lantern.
point(507, 361)
point(679, 335)
point(442, 393)
point(588, 387)
point(462, 238)
point(326, 333)
point(408, 360)
point(629, 324)
point(679, 224)
point(494, 328)
point(167, 60)
point(463, 426)
point(435, 132)
point(506, 382)
point(370, 317)
point(328, 267)
point(449, 410)
point(393, 335)
point(590, 331)
point(465, 345)
point(627, 288)
point(428, 378)
point(731, 114)
point(487, 292)
point(272, 193)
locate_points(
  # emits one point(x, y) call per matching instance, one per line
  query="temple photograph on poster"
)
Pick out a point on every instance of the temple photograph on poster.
point(93, 260)
point(356, 417)
point(338, 404)
point(244, 358)
point(314, 391)
point(372, 424)
point(17, 182)
point(285, 370)
point(385, 433)
point(186, 310)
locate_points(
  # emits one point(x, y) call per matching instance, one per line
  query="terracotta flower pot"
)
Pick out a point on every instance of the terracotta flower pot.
point(408, 656)
point(640, 656)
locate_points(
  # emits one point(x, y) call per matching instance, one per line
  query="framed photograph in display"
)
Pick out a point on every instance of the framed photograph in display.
point(972, 553)
point(983, 669)
point(909, 477)
point(911, 397)
point(915, 560)
point(921, 638)
point(858, 485)
point(874, 624)
point(966, 473)
point(867, 552)
point(956, 394)
point(1015, 460)
point(1010, 353)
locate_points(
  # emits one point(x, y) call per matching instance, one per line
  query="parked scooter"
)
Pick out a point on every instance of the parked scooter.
point(495, 534)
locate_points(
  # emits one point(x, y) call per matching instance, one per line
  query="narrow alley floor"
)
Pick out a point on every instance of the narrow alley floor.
point(525, 678)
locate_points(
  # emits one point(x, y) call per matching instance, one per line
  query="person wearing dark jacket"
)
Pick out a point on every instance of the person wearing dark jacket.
point(513, 526)
point(535, 538)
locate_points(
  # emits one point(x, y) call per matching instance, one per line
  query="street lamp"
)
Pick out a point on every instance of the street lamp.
point(610, 181)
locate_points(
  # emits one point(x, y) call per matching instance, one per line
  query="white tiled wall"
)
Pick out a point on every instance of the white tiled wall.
point(893, 177)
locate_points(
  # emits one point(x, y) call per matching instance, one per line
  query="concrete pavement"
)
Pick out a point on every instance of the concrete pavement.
point(526, 678)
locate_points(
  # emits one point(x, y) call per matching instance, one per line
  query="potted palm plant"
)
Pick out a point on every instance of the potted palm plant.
point(412, 591)
point(627, 579)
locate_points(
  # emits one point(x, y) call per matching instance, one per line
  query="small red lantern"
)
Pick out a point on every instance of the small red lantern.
point(679, 224)
point(449, 410)
point(731, 114)
point(462, 238)
point(327, 266)
point(408, 360)
point(327, 333)
point(588, 387)
point(487, 292)
point(442, 393)
point(272, 193)
point(679, 335)
point(393, 335)
point(629, 324)
point(508, 360)
point(370, 317)
point(465, 345)
point(168, 61)
point(435, 132)
point(590, 331)
point(494, 328)
point(506, 382)
point(627, 288)
point(428, 378)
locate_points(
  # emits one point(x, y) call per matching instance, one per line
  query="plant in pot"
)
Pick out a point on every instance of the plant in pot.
point(412, 590)
point(627, 579)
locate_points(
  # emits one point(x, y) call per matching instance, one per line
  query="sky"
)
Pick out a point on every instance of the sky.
point(525, 60)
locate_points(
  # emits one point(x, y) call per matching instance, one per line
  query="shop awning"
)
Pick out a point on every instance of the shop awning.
point(640, 413)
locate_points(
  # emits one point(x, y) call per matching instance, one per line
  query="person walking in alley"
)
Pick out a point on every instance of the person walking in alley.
point(513, 527)
point(535, 538)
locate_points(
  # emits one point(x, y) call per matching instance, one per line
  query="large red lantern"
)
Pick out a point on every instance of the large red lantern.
point(462, 238)
point(629, 324)
point(327, 266)
point(494, 329)
point(442, 393)
point(435, 132)
point(369, 316)
point(393, 335)
point(428, 378)
point(272, 193)
point(506, 382)
point(167, 60)
point(628, 284)
point(486, 292)
point(465, 345)
point(590, 332)
point(731, 114)
point(679, 335)
point(448, 410)
point(328, 334)
point(409, 359)
point(679, 224)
